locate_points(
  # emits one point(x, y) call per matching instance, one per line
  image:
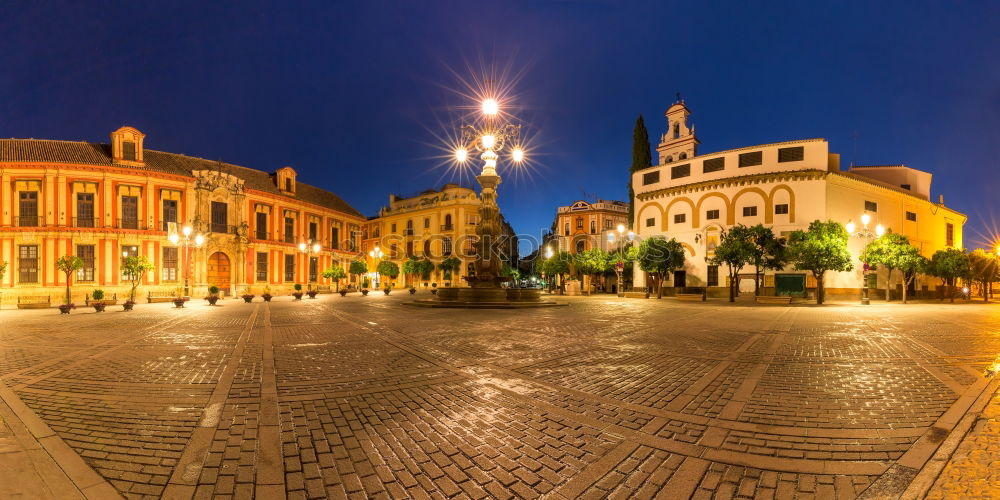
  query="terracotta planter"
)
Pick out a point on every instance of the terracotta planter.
point(99, 306)
point(364, 291)
point(387, 290)
point(248, 298)
point(413, 291)
point(297, 295)
point(311, 294)
point(66, 308)
point(343, 293)
point(212, 299)
point(128, 305)
point(178, 303)
point(266, 297)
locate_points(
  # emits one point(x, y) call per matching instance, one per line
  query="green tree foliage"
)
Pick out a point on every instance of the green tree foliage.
point(411, 268)
point(424, 268)
point(557, 265)
point(949, 265)
point(641, 159)
point(659, 257)
point(3, 269)
point(449, 266)
point(68, 264)
point(885, 252)
point(335, 273)
point(592, 263)
point(769, 253)
point(910, 263)
point(389, 269)
point(820, 248)
point(133, 268)
point(357, 268)
point(736, 250)
point(984, 270)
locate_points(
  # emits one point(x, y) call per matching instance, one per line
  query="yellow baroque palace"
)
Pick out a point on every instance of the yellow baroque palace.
point(102, 202)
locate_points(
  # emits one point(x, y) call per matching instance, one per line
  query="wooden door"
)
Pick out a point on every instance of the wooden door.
point(218, 271)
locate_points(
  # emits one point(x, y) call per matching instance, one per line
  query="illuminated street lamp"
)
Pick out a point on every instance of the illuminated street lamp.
point(376, 256)
point(186, 243)
point(867, 235)
point(310, 250)
point(620, 265)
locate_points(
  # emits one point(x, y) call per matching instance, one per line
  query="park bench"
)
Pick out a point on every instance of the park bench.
point(780, 299)
point(690, 297)
point(34, 301)
point(635, 295)
point(324, 289)
point(107, 300)
point(160, 296)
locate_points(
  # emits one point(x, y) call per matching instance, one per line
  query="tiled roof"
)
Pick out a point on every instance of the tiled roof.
point(49, 151)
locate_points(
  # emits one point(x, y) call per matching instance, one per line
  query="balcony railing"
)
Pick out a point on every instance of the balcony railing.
point(407, 232)
point(165, 225)
point(27, 221)
point(261, 235)
point(289, 238)
point(131, 224)
point(447, 227)
point(222, 228)
point(87, 222)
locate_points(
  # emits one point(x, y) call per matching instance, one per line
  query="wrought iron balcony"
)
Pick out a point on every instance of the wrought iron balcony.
point(27, 221)
point(130, 224)
point(86, 222)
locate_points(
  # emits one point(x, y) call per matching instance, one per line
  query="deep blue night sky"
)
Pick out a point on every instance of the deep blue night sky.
point(355, 95)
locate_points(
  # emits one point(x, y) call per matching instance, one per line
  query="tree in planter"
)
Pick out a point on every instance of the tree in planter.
point(736, 249)
point(357, 268)
point(984, 270)
point(820, 248)
point(768, 253)
point(134, 267)
point(910, 263)
point(885, 251)
point(592, 263)
point(411, 269)
point(68, 264)
point(388, 269)
point(335, 273)
point(450, 266)
point(424, 269)
point(949, 265)
point(660, 257)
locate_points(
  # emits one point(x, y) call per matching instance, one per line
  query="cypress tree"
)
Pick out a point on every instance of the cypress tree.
point(640, 159)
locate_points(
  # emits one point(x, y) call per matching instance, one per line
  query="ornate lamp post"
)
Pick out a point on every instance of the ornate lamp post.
point(376, 256)
point(548, 255)
point(490, 135)
point(867, 235)
point(186, 243)
point(310, 250)
point(620, 265)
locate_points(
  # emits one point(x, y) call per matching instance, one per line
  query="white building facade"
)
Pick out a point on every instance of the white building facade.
point(785, 186)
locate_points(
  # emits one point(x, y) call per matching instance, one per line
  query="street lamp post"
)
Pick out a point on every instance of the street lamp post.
point(310, 250)
point(548, 255)
point(867, 235)
point(376, 256)
point(620, 265)
point(186, 243)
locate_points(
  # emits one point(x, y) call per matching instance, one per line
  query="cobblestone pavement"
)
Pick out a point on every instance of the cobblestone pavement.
point(363, 397)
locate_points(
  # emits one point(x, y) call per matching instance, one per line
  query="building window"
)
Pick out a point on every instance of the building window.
point(593, 227)
point(313, 231)
point(871, 206)
point(713, 165)
point(334, 237)
point(579, 223)
point(750, 211)
point(447, 222)
point(751, 159)
point(566, 229)
point(911, 216)
point(169, 213)
point(713, 275)
point(712, 214)
point(288, 184)
point(581, 246)
point(409, 228)
point(427, 222)
point(220, 217)
point(682, 156)
point(680, 218)
point(130, 212)
point(607, 223)
point(791, 154)
point(289, 230)
point(261, 266)
point(128, 150)
point(393, 228)
point(680, 171)
point(677, 130)
point(650, 178)
point(949, 234)
point(781, 209)
point(261, 228)
point(169, 272)
point(427, 248)
point(27, 264)
point(670, 159)
point(84, 210)
point(409, 249)
point(650, 222)
point(28, 204)
point(86, 254)
point(289, 267)
point(446, 247)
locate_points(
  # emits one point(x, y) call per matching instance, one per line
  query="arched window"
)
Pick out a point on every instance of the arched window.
point(566, 228)
point(427, 248)
point(446, 247)
point(447, 222)
point(581, 246)
point(670, 158)
point(682, 156)
point(677, 130)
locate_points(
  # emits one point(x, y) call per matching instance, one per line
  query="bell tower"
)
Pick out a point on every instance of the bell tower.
point(680, 142)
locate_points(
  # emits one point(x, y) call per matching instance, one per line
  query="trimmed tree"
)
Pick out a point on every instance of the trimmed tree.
point(641, 159)
point(591, 264)
point(910, 263)
point(736, 249)
point(335, 273)
point(356, 269)
point(558, 265)
point(388, 268)
point(449, 266)
point(659, 257)
point(949, 265)
point(769, 253)
point(885, 251)
point(821, 248)
point(68, 264)
point(411, 268)
point(424, 268)
point(983, 270)
point(134, 267)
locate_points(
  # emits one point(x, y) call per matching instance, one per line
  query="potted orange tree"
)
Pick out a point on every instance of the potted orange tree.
point(213, 295)
point(68, 264)
point(134, 268)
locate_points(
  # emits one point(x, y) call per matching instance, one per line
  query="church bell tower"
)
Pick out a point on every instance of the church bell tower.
point(679, 142)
